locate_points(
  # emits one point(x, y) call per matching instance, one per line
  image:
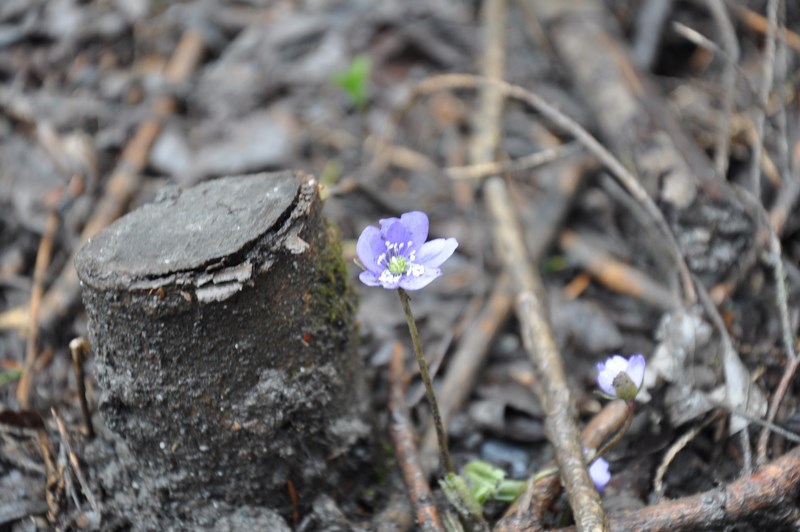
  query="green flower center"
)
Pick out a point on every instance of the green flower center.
point(397, 265)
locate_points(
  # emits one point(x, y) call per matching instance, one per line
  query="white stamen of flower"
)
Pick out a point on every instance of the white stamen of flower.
point(416, 270)
point(387, 277)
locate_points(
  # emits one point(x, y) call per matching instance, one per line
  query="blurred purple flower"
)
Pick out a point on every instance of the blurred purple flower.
point(621, 377)
point(600, 474)
point(397, 256)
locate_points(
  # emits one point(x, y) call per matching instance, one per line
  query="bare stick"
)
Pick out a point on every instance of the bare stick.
point(79, 348)
point(481, 170)
point(125, 180)
point(731, 46)
point(617, 169)
point(675, 448)
point(757, 22)
point(763, 97)
point(781, 299)
point(74, 463)
point(790, 189)
point(544, 489)
point(43, 256)
point(613, 273)
point(419, 492)
point(740, 392)
point(782, 302)
point(554, 394)
point(767, 497)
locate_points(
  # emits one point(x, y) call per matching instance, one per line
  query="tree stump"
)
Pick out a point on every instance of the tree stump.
point(223, 329)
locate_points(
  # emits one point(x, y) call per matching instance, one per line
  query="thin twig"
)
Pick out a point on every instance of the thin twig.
point(79, 348)
point(675, 448)
point(537, 336)
point(782, 302)
point(790, 190)
point(419, 492)
point(487, 120)
point(781, 294)
point(780, 392)
point(649, 30)
point(731, 46)
point(617, 169)
point(627, 180)
point(779, 82)
point(43, 256)
point(481, 170)
point(757, 22)
point(74, 463)
point(781, 299)
point(614, 274)
point(125, 180)
point(740, 392)
point(763, 97)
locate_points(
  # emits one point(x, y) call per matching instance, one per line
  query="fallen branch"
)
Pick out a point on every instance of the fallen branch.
point(43, 256)
point(552, 389)
point(614, 274)
point(768, 497)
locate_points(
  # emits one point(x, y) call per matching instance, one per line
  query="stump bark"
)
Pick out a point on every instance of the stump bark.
point(223, 329)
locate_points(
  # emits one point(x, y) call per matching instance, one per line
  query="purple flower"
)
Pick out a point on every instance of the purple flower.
point(397, 256)
point(600, 473)
point(621, 377)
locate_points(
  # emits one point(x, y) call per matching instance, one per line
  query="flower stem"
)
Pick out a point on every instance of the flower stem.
point(426, 379)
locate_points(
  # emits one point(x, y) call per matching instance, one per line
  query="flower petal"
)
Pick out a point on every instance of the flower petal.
point(605, 379)
point(397, 233)
point(386, 222)
point(432, 254)
point(616, 364)
point(417, 224)
point(600, 473)
point(369, 247)
point(412, 282)
point(635, 371)
point(369, 278)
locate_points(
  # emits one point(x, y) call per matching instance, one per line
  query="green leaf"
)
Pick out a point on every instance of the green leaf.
point(355, 80)
point(10, 375)
point(509, 490)
point(461, 497)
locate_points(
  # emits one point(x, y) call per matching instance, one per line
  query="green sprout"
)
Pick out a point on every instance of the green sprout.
point(481, 482)
point(355, 81)
point(490, 483)
point(9, 375)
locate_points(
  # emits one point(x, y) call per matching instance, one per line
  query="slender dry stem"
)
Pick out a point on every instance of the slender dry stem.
point(426, 380)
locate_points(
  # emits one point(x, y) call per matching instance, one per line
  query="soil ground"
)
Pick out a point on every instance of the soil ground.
point(105, 103)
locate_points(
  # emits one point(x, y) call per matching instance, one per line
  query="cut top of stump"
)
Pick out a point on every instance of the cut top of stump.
point(188, 232)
